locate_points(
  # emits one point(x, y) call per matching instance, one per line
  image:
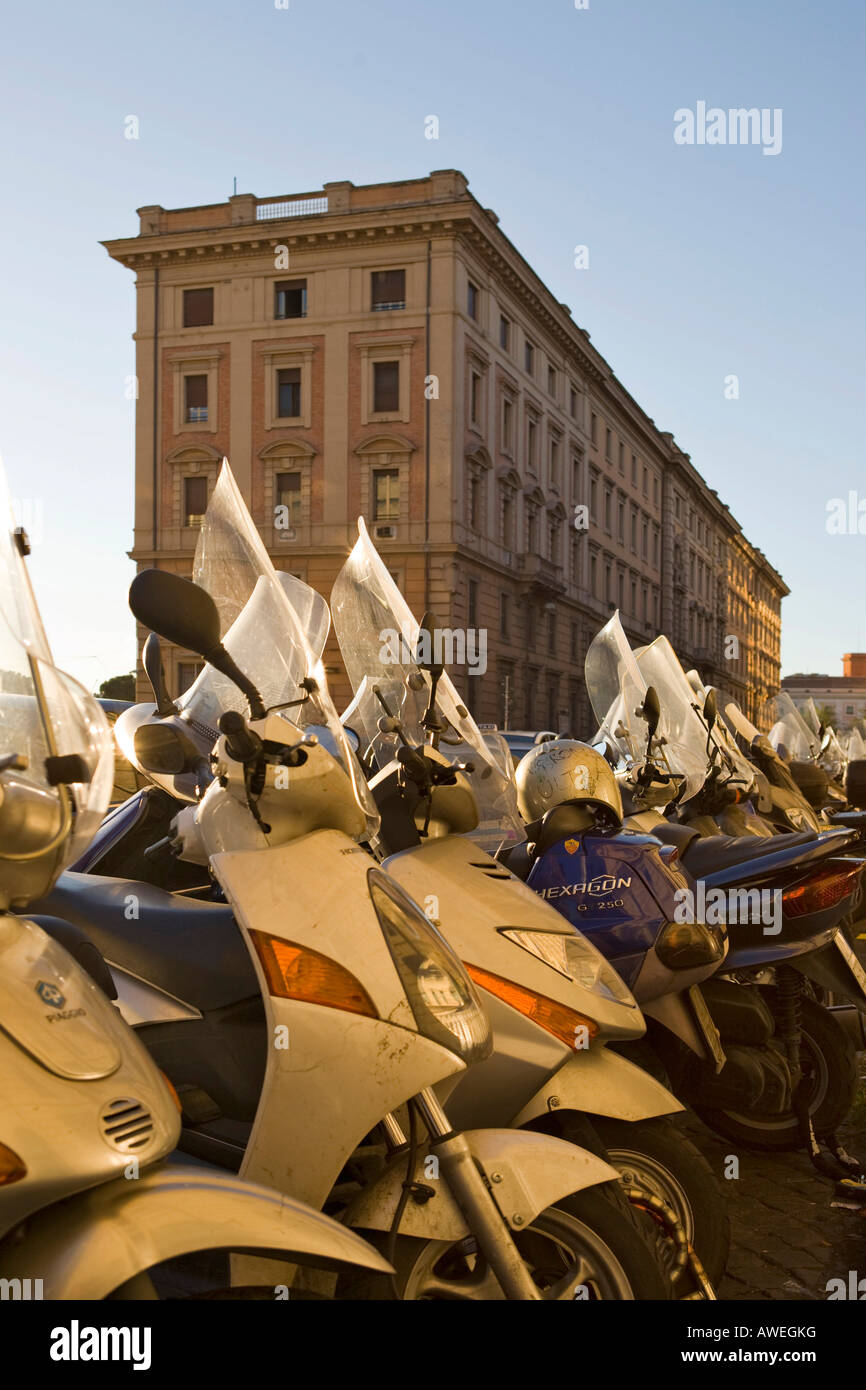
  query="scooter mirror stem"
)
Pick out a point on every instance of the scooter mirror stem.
point(151, 660)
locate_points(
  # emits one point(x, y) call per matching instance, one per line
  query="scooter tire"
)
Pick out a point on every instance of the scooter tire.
point(834, 1061)
point(596, 1222)
point(659, 1155)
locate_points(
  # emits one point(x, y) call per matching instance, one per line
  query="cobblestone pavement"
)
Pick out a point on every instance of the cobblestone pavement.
point(787, 1240)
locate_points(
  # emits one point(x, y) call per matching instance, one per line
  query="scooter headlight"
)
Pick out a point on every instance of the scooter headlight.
point(575, 958)
point(442, 997)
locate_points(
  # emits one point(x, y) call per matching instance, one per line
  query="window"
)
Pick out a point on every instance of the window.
point(195, 399)
point(504, 614)
point(634, 529)
point(386, 494)
point(622, 458)
point(532, 442)
point(388, 289)
point(551, 632)
point(551, 382)
point(633, 609)
point(508, 521)
point(194, 501)
point(289, 393)
point(643, 539)
point(504, 333)
point(608, 439)
point(528, 356)
point(474, 398)
point(287, 494)
point(593, 430)
point(572, 403)
point(554, 462)
point(656, 488)
point(608, 511)
point(472, 300)
point(620, 529)
point(634, 470)
point(197, 308)
point(593, 498)
point(290, 299)
point(593, 575)
point(553, 540)
point(472, 605)
point(621, 590)
point(187, 672)
point(608, 582)
point(645, 481)
point(507, 425)
point(474, 502)
point(532, 531)
point(386, 387)
point(575, 641)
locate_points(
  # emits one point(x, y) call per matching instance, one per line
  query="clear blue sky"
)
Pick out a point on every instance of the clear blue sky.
point(704, 261)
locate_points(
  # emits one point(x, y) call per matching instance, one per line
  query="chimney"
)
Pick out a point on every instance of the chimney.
point(854, 665)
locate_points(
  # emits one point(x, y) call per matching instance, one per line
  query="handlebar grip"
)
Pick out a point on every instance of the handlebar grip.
point(242, 743)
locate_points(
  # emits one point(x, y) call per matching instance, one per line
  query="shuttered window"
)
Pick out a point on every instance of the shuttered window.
point(195, 400)
point(197, 308)
point(386, 387)
point(388, 289)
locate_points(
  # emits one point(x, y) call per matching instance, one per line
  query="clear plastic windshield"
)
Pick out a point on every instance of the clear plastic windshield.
point(378, 637)
point(789, 733)
point(43, 711)
point(274, 627)
point(856, 746)
point(832, 757)
point(616, 689)
point(809, 715)
point(735, 767)
point(686, 735)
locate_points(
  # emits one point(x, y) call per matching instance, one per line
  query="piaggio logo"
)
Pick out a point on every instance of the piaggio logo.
point(50, 994)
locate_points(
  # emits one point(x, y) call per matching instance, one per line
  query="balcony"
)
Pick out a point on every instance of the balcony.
point(539, 575)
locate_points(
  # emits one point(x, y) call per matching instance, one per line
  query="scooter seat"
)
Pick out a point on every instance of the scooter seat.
point(707, 854)
point(189, 948)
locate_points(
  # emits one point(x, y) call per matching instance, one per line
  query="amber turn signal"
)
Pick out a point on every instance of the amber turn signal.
point(12, 1168)
point(562, 1022)
point(296, 972)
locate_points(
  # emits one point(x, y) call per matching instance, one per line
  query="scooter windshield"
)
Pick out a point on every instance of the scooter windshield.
point(739, 770)
point(685, 733)
point(616, 689)
point(856, 745)
point(378, 636)
point(274, 627)
point(43, 711)
point(789, 732)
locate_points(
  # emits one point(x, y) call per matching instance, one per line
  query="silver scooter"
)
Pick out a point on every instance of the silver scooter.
point(87, 1207)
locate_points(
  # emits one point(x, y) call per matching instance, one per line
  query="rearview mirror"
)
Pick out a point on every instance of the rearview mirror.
point(177, 610)
point(651, 710)
point(426, 655)
point(186, 615)
point(166, 749)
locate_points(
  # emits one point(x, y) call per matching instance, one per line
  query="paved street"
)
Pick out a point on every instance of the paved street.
point(787, 1239)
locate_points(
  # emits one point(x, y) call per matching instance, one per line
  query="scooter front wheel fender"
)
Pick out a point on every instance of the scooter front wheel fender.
point(96, 1242)
point(526, 1172)
point(597, 1081)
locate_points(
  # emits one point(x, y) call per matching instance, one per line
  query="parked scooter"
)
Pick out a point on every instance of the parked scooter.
point(810, 888)
point(349, 1007)
point(445, 802)
point(87, 1207)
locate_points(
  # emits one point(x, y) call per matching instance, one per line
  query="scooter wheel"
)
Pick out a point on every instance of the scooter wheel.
point(657, 1156)
point(830, 1060)
point(613, 1252)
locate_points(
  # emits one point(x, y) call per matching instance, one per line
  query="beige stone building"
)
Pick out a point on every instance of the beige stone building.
point(386, 350)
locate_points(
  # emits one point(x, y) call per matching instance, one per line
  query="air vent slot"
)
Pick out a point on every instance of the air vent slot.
point(126, 1125)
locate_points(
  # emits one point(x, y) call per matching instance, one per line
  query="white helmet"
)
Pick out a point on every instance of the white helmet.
point(565, 771)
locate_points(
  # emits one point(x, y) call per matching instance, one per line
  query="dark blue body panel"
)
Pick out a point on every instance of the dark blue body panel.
point(616, 889)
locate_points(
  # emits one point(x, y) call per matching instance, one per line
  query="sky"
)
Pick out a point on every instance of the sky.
point(707, 261)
